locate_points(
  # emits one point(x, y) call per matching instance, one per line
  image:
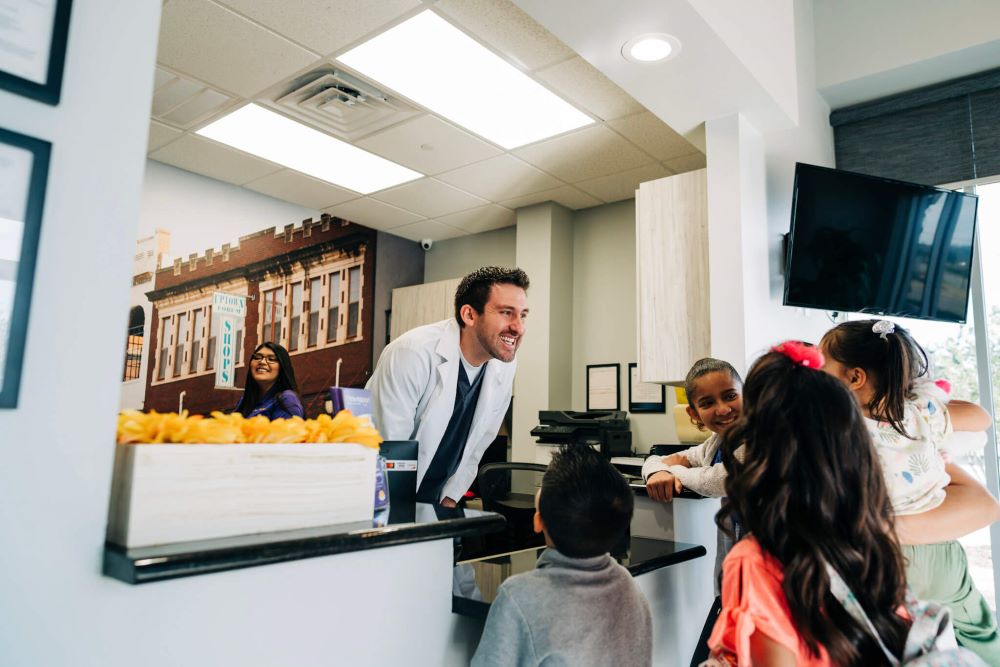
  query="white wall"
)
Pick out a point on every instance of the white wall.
point(202, 213)
point(604, 310)
point(56, 608)
point(866, 50)
point(454, 258)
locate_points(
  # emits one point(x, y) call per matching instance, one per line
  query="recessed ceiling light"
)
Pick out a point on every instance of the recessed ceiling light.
point(441, 68)
point(263, 133)
point(651, 48)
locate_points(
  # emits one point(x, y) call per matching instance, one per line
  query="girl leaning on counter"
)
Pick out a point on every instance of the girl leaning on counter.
point(270, 388)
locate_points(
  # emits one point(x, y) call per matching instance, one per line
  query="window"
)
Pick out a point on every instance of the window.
point(272, 315)
point(133, 344)
point(333, 308)
point(315, 299)
point(165, 335)
point(295, 325)
point(210, 349)
point(354, 302)
point(197, 333)
point(179, 339)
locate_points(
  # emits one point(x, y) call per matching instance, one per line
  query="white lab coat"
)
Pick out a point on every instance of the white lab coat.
point(413, 397)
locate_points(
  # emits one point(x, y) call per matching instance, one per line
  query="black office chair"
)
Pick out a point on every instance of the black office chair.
point(509, 490)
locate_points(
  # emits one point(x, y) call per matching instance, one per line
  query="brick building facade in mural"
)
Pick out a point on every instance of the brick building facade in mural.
point(309, 288)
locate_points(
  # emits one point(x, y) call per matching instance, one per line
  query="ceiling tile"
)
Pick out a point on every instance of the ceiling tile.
point(567, 196)
point(301, 189)
point(587, 153)
point(623, 185)
point(430, 198)
point(324, 26)
point(427, 229)
point(686, 163)
point(212, 43)
point(499, 178)
point(371, 213)
point(503, 25)
point(160, 135)
point(652, 135)
point(580, 83)
point(429, 145)
point(480, 219)
point(204, 156)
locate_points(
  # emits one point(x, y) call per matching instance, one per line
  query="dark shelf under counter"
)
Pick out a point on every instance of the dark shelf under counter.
point(404, 525)
point(644, 555)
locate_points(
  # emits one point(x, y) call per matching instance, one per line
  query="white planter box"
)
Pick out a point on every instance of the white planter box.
point(177, 493)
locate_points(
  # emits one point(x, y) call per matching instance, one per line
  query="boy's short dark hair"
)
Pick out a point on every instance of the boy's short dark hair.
point(585, 503)
point(474, 290)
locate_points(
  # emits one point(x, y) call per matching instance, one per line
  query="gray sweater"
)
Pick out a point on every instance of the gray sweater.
point(568, 611)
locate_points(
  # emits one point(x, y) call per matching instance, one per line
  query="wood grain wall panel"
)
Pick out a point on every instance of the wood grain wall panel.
point(417, 305)
point(672, 275)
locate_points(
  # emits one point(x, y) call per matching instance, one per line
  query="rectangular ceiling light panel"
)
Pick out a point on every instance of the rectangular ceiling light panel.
point(441, 68)
point(271, 136)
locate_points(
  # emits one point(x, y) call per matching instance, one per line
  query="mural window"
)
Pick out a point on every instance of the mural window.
point(197, 334)
point(273, 303)
point(315, 301)
point(210, 348)
point(133, 344)
point(333, 308)
point(354, 302)
point(179, 339)
point(164, 337)
point(295, 323)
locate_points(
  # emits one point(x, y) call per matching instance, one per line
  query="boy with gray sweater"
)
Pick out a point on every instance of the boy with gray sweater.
point(578, 606)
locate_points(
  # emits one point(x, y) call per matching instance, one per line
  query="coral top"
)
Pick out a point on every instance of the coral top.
point(752, 601)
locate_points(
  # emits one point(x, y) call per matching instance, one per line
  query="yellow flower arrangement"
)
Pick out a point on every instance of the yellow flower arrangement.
point(136, 427)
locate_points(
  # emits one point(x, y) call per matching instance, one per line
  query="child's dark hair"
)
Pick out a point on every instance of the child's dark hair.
point(704, 367)
point(474, 290)
point(585, 503)
point(810, 490)
point(893, 364)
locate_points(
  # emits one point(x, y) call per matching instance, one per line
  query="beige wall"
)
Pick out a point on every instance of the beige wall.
point(456, 257)
point(604, 310)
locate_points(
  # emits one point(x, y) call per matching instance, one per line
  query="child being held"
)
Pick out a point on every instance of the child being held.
point(578, 606)
point(913, 426)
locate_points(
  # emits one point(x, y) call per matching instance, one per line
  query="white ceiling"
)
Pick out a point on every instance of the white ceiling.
point(216, 55)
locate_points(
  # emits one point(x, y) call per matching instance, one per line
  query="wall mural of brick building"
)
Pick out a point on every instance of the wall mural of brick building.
point(310, 288)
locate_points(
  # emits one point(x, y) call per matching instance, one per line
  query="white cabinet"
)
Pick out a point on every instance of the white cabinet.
point(672, 305)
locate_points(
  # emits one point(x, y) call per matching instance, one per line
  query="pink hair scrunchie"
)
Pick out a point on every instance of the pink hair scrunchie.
point(801, 354)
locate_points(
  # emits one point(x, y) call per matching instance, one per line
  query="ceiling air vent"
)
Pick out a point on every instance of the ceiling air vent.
point(341, 104)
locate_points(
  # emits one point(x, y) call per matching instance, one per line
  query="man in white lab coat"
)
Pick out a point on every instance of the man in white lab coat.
point(447, 385)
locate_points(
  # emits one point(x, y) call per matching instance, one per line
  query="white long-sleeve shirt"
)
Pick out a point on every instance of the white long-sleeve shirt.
point(702, 477)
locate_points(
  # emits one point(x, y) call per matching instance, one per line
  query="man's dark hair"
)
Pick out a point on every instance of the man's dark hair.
point(585, 503)
point(474, 289)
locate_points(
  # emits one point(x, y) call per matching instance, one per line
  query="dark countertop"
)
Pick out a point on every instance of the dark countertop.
point(403, 524)
point(641, 556)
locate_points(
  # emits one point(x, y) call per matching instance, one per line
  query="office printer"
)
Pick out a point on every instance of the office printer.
point(607, 430)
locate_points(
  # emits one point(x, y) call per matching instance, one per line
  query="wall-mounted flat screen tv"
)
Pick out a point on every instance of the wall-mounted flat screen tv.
point(873, 245)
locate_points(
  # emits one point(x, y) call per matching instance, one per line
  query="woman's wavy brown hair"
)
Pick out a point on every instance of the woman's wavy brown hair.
point(810, 491)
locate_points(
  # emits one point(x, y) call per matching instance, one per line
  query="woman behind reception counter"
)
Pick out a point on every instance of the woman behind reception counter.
point(270, 388)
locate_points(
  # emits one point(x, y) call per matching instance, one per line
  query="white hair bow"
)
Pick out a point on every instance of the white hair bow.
point(883, 328)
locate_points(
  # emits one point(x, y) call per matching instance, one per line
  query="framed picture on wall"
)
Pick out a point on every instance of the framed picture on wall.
point(644, 396)
point(33, 47)
point(603, 387)
point(24, 167)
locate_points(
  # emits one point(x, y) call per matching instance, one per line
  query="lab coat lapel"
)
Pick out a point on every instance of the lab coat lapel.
point(435, 419)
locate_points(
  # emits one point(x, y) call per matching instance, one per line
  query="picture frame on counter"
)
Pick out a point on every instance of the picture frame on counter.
point(603, 387)
point(645, 396)
point(33, 48)
point(24, 168)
